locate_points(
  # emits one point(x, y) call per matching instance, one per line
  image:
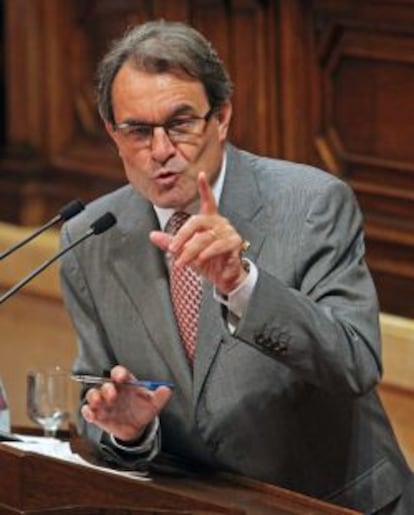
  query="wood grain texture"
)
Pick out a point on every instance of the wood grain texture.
point(36, 483)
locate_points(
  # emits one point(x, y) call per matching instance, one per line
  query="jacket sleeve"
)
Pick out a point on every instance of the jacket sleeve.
point(326, 327)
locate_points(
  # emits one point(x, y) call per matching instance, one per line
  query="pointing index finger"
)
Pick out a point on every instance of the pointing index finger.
point(208, 204)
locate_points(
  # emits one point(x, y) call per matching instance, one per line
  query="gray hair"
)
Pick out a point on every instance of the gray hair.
point(160, 47)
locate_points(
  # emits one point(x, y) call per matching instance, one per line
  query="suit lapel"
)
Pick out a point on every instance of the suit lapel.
point(141, 272)
point(241, 203)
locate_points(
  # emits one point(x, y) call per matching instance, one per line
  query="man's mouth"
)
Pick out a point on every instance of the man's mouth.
point(166, 178)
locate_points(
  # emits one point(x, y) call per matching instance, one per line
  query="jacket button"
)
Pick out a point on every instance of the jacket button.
point(215, 445)
point(259, 339)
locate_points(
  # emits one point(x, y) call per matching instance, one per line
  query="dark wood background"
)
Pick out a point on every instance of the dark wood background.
point(327, 82)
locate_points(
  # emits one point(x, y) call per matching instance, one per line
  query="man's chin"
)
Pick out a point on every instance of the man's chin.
point(174, 201)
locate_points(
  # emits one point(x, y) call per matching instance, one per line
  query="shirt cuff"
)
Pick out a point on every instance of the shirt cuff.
point(237, 300)
point(145, 445)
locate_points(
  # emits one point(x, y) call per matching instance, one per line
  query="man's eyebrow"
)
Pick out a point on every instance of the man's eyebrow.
point(179, 110)
point(182, 109)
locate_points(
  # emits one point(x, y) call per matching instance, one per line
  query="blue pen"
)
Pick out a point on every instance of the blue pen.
point(150, 385)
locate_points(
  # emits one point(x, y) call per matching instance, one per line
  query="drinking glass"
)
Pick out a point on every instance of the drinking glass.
point(47, 398)
point(4, 410)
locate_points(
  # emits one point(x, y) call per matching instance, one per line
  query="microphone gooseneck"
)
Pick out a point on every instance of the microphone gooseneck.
point(102, 224)
point(70, 210)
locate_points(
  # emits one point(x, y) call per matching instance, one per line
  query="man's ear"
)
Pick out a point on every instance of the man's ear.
point(110, 131)
point(114, 136)
point(224, 118)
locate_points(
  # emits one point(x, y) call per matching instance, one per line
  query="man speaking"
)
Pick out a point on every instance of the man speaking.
point(239, 279)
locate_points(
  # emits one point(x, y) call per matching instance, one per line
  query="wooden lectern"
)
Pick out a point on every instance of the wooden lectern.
point(35, 484)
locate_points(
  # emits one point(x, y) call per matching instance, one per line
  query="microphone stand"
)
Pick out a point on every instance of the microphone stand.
point(40, 268)
point(102, 224)
point(66, 213)
point(51, 222)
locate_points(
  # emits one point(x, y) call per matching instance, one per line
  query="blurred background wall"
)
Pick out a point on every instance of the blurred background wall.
point(326, 82)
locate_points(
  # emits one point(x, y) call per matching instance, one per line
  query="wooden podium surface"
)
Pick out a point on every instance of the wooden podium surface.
point(34, 484)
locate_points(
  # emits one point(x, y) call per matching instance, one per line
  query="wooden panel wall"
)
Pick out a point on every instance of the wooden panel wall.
point(364, 127)
point(327, 82)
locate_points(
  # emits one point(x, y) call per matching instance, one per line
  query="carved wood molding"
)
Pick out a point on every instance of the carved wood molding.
point(365, 128)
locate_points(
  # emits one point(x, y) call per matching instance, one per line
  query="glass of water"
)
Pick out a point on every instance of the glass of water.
point(47, 398)
point(4, 410)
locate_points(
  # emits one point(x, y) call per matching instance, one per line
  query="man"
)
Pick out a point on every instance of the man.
point(277, 383)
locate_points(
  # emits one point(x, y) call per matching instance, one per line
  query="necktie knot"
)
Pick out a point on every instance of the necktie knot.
point(176, 221)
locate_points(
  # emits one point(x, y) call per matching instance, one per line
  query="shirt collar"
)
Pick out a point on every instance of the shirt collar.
point(164, 214)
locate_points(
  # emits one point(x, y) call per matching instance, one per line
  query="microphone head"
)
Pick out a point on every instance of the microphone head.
point(103, 223)
point(71, 209)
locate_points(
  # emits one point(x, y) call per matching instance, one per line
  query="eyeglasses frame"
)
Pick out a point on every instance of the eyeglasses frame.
point(164, 126)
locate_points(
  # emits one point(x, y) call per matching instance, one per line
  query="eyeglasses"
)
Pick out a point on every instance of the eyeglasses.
point(182, 129)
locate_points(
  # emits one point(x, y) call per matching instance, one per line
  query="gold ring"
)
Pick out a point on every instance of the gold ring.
point(245, 246)
point(212, 233)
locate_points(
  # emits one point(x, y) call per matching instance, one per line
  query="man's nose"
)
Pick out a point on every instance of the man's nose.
point(162, 147)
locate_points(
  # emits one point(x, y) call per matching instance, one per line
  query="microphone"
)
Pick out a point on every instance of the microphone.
point(99, 226)
point(67, 212)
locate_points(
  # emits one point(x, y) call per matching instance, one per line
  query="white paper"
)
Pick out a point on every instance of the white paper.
point(61, 450)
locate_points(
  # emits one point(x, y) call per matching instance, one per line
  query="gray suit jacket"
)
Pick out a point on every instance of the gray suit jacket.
point(289, 398)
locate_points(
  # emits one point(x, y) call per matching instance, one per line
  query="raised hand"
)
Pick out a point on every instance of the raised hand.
point(207, 242)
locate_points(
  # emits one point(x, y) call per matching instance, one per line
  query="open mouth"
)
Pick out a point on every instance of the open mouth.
point(167, 178)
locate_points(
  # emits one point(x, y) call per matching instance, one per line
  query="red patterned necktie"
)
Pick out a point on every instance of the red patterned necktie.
point(186, 293)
